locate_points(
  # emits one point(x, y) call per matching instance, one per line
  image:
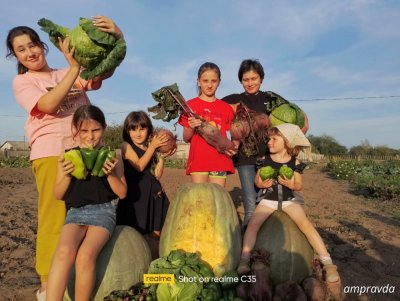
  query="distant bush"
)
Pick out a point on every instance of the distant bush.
point(326, 145)
point(113, 136)
point(21, 161)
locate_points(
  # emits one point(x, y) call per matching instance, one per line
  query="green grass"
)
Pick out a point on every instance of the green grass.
point(176, 163)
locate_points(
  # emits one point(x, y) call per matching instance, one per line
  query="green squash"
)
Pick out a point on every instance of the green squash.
point(121, 264)
point(202, 218)
point(291, 253)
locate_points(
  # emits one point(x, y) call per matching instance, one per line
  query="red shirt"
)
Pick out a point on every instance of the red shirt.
point(202, 156)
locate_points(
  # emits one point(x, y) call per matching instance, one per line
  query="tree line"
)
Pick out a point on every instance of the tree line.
point(327, 145)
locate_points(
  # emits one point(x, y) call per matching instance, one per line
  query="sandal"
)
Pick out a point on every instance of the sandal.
point(331, 274)
point(333, 282)
point(40, 296)
point(244, 266)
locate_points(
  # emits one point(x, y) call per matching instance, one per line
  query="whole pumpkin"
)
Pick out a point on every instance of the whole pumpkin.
point(202, 218)
point(291, 254)
point(121, 264)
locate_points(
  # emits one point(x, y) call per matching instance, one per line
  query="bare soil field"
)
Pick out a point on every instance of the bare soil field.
point(362, 235)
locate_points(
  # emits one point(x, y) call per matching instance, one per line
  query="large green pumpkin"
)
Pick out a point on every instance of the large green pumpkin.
point(291, 253)
point(202, 218)
point(121, 263)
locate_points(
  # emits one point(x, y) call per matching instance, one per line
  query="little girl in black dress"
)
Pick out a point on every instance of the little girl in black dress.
point(146, 203)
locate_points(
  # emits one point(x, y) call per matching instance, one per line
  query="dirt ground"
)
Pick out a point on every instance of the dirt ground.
point(362, 235)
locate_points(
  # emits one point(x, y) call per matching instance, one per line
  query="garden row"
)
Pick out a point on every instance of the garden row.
point(377, 179)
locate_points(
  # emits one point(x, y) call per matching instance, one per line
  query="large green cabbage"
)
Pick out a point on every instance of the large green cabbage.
point(287, 113)
point(97, 51)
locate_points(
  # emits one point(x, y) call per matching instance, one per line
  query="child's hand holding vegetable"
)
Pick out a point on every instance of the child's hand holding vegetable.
point(231, 152)
point(107, 25)
point(194, 122)
point(109, 166)
point(166, 155)
point(158, 140)
point(289, 183)
point(263, 184)
point(79, 169)
point(67, 167)
point(68, 53)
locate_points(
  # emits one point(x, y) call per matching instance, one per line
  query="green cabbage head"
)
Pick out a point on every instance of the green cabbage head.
point(286, 172)
point(97, 51)
point(287, 113)
point(267, 172)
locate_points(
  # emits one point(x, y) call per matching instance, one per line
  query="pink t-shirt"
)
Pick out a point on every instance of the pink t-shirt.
point(49, 134)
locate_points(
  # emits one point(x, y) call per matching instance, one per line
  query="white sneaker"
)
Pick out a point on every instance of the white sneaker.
point(40, 296)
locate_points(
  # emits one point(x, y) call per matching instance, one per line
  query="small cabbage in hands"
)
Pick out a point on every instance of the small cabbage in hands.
point(286, 172)
point(267, 172)
point(97, 51)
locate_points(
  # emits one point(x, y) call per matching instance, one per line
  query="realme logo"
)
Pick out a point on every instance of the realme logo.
point(159, 278)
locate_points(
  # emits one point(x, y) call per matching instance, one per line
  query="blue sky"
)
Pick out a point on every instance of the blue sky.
point(310, 50)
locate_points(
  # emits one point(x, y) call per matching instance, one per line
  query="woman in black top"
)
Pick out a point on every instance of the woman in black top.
point(251, 75)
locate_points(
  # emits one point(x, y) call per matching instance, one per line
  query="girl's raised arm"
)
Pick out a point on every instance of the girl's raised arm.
point(50, 102)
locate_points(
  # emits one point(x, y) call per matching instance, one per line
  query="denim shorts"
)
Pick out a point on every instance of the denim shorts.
point(102, 215)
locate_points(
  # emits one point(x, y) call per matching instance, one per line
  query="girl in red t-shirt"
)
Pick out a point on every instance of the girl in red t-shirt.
point(205, 163)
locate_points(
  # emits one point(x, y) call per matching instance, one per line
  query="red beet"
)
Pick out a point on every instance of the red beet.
point(289, 290)
point(240, 129)
point(214, 137)
point(242, 290)
point(314, 289)
point(261, 122)
point(261, 289)
point(171, 145)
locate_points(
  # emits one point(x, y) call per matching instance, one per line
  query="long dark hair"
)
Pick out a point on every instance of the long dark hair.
point(134, 120)
point(19, 31)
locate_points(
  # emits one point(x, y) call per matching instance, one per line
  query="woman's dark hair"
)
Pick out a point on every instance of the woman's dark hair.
point(208, 66)
point(19, 31)
point(133, 121)
point(87, 112)
point(250, 65)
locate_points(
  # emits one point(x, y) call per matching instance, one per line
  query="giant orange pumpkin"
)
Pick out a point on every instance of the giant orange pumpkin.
point(202, 218)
